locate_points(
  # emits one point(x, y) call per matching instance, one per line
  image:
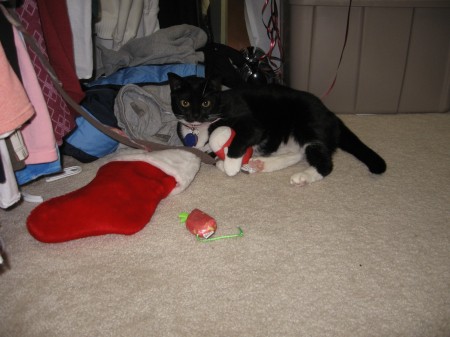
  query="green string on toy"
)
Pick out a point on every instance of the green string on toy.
point(240, 234)
point(183, 216)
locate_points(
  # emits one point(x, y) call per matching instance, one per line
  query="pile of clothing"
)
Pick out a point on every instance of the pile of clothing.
point(36, 123)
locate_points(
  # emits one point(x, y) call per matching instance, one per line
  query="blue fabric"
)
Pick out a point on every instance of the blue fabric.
point(90, 140)
point(148, 74)
point(34, 171)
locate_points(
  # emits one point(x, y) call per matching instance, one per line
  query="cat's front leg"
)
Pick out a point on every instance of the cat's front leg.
point(223, 141)
point(231, 166)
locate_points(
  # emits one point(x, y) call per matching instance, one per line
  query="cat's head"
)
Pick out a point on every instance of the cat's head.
point(194, 99)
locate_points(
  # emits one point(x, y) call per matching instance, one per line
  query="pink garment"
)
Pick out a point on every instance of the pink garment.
point(15, 107)
point(38, 134)
point(63, 119)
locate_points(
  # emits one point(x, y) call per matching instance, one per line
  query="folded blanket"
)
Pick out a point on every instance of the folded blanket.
point(176, 44)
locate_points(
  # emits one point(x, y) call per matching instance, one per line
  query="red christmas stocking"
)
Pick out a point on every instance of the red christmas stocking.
point(121, 199)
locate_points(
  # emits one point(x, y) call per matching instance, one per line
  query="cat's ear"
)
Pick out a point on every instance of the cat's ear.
point(175, 81)
point(216, 83)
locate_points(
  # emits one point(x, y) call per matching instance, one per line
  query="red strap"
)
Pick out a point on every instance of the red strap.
point(342, 51)
point(274, 34)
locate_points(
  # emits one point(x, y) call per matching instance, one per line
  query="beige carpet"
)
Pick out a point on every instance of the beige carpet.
point(352, 255)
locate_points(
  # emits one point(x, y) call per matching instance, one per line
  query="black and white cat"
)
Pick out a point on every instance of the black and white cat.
point(282, 125)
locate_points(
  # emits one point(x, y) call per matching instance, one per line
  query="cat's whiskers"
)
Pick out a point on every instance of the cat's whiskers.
point(195, 125)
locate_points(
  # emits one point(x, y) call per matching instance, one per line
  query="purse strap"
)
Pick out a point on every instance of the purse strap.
point(12, 17)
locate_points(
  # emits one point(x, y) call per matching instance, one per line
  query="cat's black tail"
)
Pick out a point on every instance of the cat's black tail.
point(350, 143)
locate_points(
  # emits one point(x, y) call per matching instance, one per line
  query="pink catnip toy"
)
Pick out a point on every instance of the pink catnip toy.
point(199, 223)
point(203, 226)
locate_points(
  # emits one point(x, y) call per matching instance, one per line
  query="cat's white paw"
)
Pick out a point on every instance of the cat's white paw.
point(232, 166)
point(308, 176)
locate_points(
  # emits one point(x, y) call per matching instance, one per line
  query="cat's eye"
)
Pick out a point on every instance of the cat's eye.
point(206, 104)
point(184, 103)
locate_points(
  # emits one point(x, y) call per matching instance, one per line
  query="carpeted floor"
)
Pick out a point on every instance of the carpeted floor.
point(352, 255)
